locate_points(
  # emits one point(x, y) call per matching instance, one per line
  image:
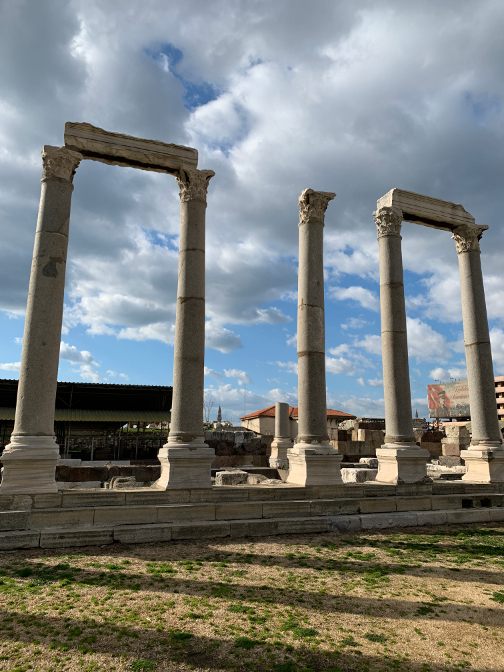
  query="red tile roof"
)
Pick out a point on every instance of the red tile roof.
point(293, 413)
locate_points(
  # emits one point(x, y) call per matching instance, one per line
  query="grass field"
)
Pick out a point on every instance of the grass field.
point(425, 600)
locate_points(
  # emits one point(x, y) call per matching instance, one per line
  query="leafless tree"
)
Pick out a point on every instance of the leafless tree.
point(208, 404)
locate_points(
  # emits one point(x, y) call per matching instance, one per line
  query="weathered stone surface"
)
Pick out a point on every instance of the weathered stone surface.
point(6, 502)
point(124, 483)
point(22, 503)
point(446, 502)
point(343, 523)
point(72, 499)
point(450, 461)
point(372, 462)
point(380, 504)
point(254, 528)
point(468, 516)
point(77, 474)
point(301, 525)
point(431, 517)
point(238, 510)
point(9, 541)
point(124, 515)
point(14, 520)
point(496, 514)
point(291, 492)
point(413, 503)
point(66, 518)
point(150, 496)
point(89, 536)
point(237, 477)
point(178, 512)
point(228, 494)
point(210, 530)
point(383, 520)
point(286, 509)
point(334, 507)
point(141, 534)
point(358, 475)
point(255, 479)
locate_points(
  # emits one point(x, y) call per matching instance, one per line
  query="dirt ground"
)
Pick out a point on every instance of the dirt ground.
point(419, 599)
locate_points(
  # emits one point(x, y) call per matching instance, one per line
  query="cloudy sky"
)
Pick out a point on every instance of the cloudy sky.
point(352, 97)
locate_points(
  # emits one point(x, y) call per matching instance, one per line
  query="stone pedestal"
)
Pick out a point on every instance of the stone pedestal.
point(282, 441)
point(29, 461)
point(186, 459)
point(400, 460)
point(484, 459)
point(312, 460)
point(314, 464)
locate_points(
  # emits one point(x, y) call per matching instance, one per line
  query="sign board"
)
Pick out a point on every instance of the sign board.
point(449, 400)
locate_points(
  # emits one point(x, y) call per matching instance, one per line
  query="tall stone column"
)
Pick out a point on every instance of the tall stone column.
point(484, 459)
point(282, 441)
point(400, 460)
point(186, 459)
point(312, 460)
point(30, 459)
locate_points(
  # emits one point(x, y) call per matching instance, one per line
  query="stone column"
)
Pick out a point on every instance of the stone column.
point(484, 459)
point(30, 459)
point(312, 460)
point(282, 441)
point(400, 460)
point(186, 459)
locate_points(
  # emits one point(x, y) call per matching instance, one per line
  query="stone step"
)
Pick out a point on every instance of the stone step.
point(51, 537)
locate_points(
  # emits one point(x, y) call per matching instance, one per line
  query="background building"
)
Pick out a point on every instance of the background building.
point(263, 422)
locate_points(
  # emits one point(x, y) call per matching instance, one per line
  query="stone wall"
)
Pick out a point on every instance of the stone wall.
point(430, 440)
point(233, 449)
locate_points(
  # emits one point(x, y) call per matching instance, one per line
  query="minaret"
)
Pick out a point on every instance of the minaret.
point(219, 415)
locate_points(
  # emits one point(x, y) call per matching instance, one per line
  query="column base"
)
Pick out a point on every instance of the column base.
point(314, 464)
point(29, 465)
point(185, 465)
point(402, 463)
point(278, 458)
point(484, 464)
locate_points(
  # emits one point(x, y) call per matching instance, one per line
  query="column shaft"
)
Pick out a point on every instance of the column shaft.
point(186, 459)
point(30, 459)
point(484, 460)
point(399, 459)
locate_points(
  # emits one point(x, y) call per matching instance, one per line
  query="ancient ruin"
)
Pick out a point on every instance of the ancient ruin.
point(400, 460)
point(29, 461)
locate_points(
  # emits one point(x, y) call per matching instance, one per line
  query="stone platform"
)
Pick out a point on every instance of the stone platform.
point(97, 517)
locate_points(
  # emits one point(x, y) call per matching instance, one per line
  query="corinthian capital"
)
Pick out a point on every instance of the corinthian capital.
point(388, 221)
point(59, 162)
point(193, 184)
point(313, 204)
point(467, 238)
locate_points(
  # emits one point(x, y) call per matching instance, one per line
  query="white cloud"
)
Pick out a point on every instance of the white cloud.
point(361, 381)
point(445, 374)
point(18, 340)
point(375, 382)
point(497, 343)
point(241, 376)
point(371, 343)
point(340, 365)
point(354, 323)
point(425, 344)
point(342, 349)
point(365, 297)
point(75, 356)
point(212, 373)
point(292, 340)
point(12, 366)
point(290, 367)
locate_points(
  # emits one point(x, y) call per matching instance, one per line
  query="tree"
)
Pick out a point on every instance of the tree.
point(208, 404)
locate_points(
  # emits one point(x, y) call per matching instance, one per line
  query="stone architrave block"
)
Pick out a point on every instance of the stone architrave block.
point(426, 210)
point(209, 530)
point(343, 523)
point(65, 518)
point(14, 520)
point(334, 507)
point(237, 477)
point(148, 497)
point(431, 517)
point(142, 534)
point(452, 449)
point(90, 536)
point(6, 502)
point(10, 541)
point(125, 515)
point(468, 516)
point(238, 494)
point(446, 502)
point(286, 509)
point(238, 510)
point(74, 499)
point(378, 505)
point(290, 492)
point(185, 512)
point(383, 520)
point(47, 501)
point(353, 475)
point(117, 149)
point(496, 515)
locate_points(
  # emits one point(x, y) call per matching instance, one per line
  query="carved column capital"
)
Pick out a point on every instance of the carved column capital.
point(467, 238)
point(313, 204)
point(193, 184)
point(388, 221)
point(59, 162)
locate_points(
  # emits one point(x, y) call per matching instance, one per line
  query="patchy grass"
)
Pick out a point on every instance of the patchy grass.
point(418, 601)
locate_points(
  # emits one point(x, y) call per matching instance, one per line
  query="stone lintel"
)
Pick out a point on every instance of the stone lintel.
point(427, 211)
point(117, 149)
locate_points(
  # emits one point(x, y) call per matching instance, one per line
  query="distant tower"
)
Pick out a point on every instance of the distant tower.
point(219, 415)
point(416, 414)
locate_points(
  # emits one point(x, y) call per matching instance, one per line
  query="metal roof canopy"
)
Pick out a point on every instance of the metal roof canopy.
point(96, 399)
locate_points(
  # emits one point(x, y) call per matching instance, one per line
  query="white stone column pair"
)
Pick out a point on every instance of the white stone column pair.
point(312, 460)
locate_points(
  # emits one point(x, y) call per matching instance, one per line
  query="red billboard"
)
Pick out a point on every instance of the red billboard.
point(449, 400)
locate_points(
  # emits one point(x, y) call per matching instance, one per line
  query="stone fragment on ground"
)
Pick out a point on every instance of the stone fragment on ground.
point(358, 475)
point(255, 479)
point(237, 477)
point(372, 462)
